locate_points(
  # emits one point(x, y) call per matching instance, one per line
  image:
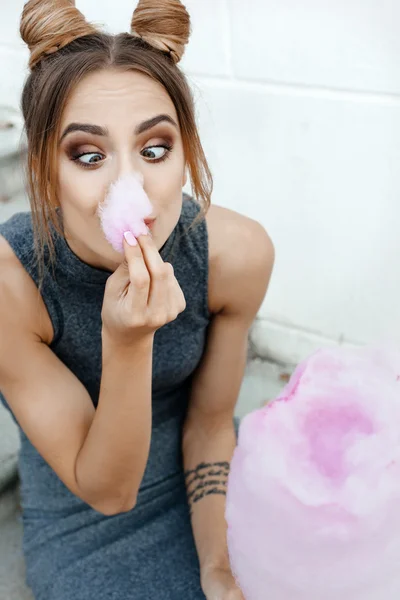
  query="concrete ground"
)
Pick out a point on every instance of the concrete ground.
point(262, 383)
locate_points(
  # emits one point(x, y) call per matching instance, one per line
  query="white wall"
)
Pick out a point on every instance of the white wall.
point(299, 112)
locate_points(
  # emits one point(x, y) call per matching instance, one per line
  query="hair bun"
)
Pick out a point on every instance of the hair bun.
point(164, 24)
point(48, 25)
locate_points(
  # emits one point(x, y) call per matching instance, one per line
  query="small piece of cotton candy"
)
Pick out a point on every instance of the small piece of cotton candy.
point(313, 499)
point(124, 209)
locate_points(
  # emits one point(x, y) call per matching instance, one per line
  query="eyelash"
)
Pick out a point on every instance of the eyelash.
point(168, 148)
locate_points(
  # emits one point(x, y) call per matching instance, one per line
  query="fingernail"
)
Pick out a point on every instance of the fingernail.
point(130, 238)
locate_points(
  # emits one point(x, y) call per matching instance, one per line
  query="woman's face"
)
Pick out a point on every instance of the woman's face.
point(117, 123)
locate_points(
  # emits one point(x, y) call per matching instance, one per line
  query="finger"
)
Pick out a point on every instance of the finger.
point(159, 275)
point(177, 302)
point(120, 279)
point(151, 255)
point(138, 274)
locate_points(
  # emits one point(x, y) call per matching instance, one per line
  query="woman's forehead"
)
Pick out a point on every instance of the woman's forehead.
point(112, 95)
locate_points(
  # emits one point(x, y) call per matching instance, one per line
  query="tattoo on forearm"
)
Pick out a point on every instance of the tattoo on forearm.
point(206, 479)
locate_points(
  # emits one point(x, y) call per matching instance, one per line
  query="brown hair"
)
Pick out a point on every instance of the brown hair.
point(64, 49)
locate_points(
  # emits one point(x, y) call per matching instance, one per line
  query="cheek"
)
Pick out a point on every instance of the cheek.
point(80, 189)
point(164, 183)
point(166, 196)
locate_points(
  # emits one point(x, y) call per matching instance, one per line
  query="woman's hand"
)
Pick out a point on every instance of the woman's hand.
point(218, 583)
point(141, 296)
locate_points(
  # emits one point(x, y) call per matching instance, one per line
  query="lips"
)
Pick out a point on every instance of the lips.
point(149, 222)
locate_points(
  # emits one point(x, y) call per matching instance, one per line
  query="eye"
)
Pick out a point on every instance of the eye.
point(89, 158)
point(156, 153)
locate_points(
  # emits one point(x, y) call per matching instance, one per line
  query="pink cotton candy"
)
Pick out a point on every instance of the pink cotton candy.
point(313, 504)
point(124, 209)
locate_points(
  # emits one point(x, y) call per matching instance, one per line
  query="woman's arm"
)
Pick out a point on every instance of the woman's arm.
point(209, 436)
point(100, 454)
point(113, 457)
point(238, 283)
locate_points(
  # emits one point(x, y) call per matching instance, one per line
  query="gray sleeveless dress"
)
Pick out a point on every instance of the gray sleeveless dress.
point(71, 551)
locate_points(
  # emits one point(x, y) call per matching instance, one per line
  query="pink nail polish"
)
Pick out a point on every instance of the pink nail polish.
point(130, 238)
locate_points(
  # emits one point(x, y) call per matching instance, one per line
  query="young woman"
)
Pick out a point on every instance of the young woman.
point(122, 371)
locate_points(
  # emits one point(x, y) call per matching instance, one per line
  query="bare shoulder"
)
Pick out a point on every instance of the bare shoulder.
point(241, 259)
point(22, 307)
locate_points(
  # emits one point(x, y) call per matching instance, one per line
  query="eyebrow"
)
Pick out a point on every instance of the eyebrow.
point(149, 123)
point(86, 127)
point(103, 131)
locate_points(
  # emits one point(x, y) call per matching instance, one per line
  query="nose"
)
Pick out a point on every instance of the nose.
point(128, 164)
